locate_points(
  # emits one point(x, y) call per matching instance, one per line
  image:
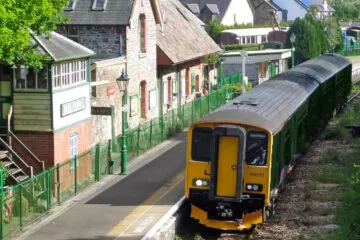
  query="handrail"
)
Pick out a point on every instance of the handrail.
point(37, 160)
point(9, 123)
point(21, 161)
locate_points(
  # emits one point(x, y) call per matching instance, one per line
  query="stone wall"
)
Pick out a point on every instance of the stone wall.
point(262, 14)
point(141, 67)
point(106, 41)
point(104, 74)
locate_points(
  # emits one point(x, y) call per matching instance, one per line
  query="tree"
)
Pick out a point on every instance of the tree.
point(310, 38)
point(19, 19)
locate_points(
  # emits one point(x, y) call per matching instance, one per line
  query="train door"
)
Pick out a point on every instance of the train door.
point(227, 163)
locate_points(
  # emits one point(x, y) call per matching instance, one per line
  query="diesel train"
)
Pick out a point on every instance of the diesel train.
point(238, 156)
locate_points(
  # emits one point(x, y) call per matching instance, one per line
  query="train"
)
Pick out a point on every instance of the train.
point(239, 155)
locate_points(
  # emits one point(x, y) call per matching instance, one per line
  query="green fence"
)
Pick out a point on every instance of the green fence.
point(29, 200)
point(350, 52)
point(233, 79)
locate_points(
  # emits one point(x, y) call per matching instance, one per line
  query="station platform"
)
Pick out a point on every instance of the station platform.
point(120, 207)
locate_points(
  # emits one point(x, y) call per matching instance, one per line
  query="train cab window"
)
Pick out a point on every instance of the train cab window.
point(256, 148)
point(201, 141)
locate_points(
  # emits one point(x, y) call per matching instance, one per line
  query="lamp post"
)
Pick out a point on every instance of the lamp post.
point(243, 54)
point(292, 40)
point(122, 83)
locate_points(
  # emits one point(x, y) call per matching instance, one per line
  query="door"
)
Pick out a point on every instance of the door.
point(5, 94)
point(227, 164)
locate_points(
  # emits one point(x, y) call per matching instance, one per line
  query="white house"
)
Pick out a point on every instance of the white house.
point(228, 12)
point(299, 8)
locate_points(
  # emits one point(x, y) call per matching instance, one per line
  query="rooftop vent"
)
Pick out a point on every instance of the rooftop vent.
point(99, 5)
point(70, 6)
point(250, 102)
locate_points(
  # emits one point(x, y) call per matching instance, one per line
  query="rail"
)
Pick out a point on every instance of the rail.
point(19, 161)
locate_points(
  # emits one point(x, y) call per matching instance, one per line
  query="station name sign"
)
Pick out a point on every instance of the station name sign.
point(73, 107)
point(104, 111)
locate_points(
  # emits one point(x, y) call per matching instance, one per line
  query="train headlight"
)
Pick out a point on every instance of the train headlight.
point(200, 182)
point(254, 187)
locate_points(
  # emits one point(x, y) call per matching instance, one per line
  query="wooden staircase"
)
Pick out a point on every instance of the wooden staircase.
point(15, 172)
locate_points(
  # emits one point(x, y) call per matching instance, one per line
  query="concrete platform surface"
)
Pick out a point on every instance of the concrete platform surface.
point(120, 207)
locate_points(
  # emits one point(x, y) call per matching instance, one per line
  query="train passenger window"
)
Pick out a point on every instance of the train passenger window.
point(201, 141)
point(256, 148)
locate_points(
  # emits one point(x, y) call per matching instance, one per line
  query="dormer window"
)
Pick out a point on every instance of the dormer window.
point(142, 33)
point(99, 5)
point(70, 6)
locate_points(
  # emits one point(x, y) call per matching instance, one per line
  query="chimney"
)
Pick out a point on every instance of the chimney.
point(325, 4)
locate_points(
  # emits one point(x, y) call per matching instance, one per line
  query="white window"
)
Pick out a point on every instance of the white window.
point(74, 150)
point(183, 85)
point(166, 92)
point(69, 73)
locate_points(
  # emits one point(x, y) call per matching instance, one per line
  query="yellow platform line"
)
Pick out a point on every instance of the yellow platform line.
point(139, 211)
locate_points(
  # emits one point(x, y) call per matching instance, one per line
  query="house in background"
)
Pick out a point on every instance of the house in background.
point(51, 108)
point(263, 13)
point(299, 8)
point(182, 45)
point(259, 65)
point(228, 12)
point(123, 35)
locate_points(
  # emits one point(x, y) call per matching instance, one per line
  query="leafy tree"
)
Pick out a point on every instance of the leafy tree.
point(20, 18)
point(310, 38)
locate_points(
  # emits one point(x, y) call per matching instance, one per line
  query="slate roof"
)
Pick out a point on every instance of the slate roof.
point(117, 12)
point(60, 48)
point(182, 38)
point(273, 5)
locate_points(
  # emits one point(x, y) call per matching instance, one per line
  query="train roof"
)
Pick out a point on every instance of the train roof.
point(272, 103)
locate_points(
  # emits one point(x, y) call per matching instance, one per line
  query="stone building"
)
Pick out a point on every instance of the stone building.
point(265, 12)
point(123, 35)
point(182, 46)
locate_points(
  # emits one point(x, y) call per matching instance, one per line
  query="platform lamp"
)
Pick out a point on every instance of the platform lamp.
point(123, 82)
point(292, 40)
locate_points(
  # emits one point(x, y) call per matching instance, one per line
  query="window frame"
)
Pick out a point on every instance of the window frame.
point(74, 150)
point(202, 130)
point(44, 71)
point(134, 98)
point(266, 147)
point(69, 73)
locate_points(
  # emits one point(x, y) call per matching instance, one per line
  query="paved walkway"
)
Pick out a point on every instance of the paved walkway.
point(120, 206)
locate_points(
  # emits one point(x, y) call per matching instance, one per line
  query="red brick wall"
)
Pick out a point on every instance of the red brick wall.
point(62, 154)
point(41, 144)
point(62, 144)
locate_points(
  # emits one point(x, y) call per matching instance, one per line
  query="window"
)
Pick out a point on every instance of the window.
point(99, 5)
point(74, 150)
point(69, 73)
point(70, 6)
point(73, 33)
point(183, 86)
point(28, 78)
point(170, 89)
point(142, 33)
point(133, 105)
point(187, 82)
point(201, 137)
point(166, 92)
point(152, 98)
point(256, 148)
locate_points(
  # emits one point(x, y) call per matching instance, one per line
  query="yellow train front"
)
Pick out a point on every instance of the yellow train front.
point(238, 156)
point(227, 178)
